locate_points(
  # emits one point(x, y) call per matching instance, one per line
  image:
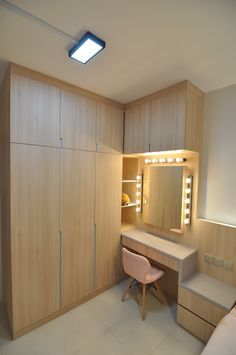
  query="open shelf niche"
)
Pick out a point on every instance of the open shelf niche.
point(129, 181)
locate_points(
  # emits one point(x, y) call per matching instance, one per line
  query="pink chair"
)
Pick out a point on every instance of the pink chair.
point(141, 271)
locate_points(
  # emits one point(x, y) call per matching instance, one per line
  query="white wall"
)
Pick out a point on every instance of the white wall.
point(218, 183)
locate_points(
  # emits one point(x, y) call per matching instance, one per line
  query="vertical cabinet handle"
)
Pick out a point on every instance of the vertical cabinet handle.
point(94, 255)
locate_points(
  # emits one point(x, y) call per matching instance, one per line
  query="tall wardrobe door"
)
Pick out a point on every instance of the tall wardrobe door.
point(35, 233)
point(77, 187)
point(108, 218)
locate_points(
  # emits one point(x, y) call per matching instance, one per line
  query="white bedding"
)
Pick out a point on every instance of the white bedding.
point(223, 340)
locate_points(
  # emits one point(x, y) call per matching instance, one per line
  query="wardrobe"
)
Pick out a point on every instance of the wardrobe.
point(61, 156)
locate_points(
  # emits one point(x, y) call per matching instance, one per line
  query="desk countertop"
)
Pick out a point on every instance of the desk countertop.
point(177, 251)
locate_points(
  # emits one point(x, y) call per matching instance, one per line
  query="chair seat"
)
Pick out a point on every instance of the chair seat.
point(153, 275)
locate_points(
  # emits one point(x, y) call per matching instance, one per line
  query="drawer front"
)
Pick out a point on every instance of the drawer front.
point(163, 259)
point(200, 306)
point(139, 248)
point(193, 324)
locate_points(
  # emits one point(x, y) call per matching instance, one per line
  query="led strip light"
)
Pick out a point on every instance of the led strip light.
point(188, 200)
point(164, 160)
point(139, 193)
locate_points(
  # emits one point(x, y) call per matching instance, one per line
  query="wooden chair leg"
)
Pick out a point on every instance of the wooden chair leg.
point(160, 294)
point(126, 290)
point(143, 301)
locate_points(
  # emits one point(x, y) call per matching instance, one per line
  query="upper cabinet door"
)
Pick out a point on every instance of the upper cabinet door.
point(167, 120)
point(78, 121)
point(137, 129)
point(110, 128)
point(35, 112)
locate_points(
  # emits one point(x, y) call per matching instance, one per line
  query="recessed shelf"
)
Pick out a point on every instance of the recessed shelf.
point(129, 180)
point(129, 205)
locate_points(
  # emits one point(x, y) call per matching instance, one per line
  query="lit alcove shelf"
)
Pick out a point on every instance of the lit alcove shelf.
point(129, 205)
point(134, 181)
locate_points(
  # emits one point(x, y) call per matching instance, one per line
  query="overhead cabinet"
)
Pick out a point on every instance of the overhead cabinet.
point(172, 120)
point(35, 112)
point(78, 121)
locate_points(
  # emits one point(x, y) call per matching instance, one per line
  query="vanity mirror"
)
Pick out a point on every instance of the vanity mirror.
point(162, 196)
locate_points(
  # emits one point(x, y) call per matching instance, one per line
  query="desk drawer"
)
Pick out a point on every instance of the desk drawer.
point(138, 247)
point(163, 259)
point(193, 324)
point(200, 306)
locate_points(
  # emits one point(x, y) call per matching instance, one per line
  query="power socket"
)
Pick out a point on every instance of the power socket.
point(218, 261)
point(209, 258)
point(228, 265)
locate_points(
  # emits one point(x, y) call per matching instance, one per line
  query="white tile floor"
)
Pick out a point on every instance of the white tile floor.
point(106, 326)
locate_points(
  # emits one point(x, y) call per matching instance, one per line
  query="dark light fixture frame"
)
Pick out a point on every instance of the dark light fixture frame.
point(88, 35)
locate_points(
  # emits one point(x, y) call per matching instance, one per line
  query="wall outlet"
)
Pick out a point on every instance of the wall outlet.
point(209, 258)
point(218, 261)
point(228, 265)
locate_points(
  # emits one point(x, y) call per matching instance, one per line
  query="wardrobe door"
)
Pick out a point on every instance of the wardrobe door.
point(110, 128)
point(77, 188)
point(108, 218)
point(35, 112)
point(35, 233)
point(167, 120)
point(137, 129)
point(78, 121)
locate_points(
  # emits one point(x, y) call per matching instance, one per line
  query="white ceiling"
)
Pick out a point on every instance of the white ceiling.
point(151, 44)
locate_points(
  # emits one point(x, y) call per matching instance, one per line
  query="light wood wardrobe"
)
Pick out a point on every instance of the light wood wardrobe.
point(60, 196)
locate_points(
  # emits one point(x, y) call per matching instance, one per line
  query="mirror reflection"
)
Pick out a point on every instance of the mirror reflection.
point(162, 196)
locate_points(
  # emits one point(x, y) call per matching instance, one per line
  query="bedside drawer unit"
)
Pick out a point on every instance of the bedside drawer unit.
point(193, 324)
point(200, 306)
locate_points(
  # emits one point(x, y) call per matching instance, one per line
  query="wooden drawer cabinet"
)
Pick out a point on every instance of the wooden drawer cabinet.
point(200, 306)
point(139, 248)
point(195, 325)
point(150, 253)
point(163, 259)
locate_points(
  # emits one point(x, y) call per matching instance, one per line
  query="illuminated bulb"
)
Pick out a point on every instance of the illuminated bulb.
point(188, 180)
point(186, 221)
point(138, 193)
point(146, 161)
point(162, 160)
point(138, 177)
point(138, 185)
point(153, 161)
point(178, 160)
point(188, 191)
point(138, 209)
point(187, 210)
point(187, 200)
point(138, 202)
point(170, 160)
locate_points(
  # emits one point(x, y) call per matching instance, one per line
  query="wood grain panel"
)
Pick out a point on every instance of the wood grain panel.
point(139, 248)
point(167, 121)
point(78, 121)
point(6, 274)
point(193, 324)
point(77, 189)
point(35, 233)
point(35, 112)
point(200, 306)
point(109, 128)
point(108, 218)
point(194, 119)
point(136, 138)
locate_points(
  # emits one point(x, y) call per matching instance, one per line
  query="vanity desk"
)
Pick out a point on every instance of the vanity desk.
point(177, 257)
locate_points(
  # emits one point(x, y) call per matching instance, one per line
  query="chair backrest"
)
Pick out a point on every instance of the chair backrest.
point(135, 265)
